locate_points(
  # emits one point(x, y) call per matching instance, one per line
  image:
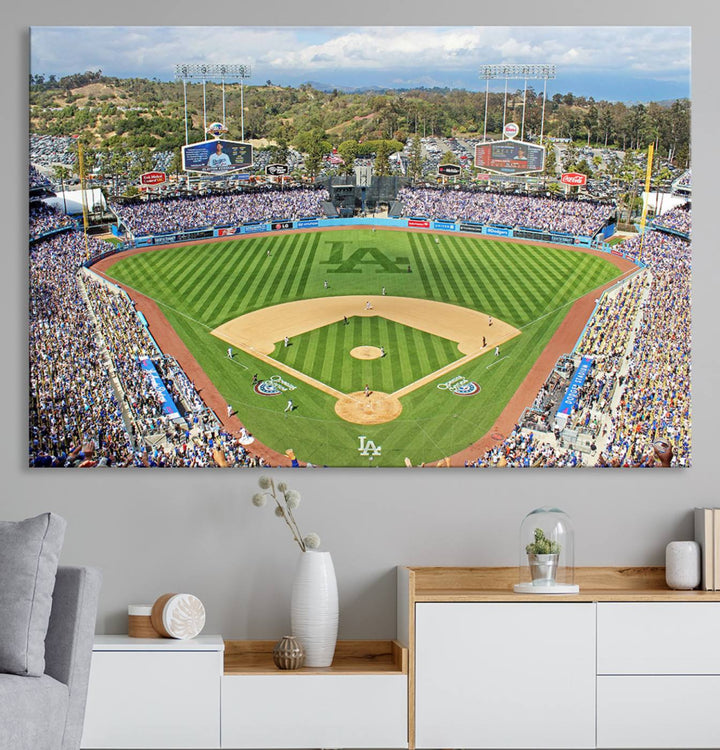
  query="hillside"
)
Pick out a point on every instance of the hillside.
point(133, 113)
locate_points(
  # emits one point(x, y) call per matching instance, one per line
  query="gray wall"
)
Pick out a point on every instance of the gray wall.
point(153, 532)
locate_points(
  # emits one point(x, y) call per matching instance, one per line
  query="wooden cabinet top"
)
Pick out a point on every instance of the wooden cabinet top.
point(597, 584)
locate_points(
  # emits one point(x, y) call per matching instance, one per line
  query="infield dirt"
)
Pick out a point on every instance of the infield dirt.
point(259, 332)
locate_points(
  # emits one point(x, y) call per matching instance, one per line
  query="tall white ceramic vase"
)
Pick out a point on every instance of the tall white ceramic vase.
point(314, 607)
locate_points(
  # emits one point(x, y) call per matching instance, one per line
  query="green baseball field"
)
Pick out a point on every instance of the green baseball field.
point(400, 345)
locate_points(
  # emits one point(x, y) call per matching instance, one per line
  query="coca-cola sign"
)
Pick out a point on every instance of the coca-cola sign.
point(511, 130)
point(574, 178)
point(153, 178)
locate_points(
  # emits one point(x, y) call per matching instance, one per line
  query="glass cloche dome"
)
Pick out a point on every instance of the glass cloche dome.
point(546, 553)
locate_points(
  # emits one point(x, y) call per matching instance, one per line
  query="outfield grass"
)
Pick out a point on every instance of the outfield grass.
point(198, 287)
point(409, 354)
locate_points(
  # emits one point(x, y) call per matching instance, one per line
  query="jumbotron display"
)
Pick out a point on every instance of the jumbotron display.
point(217, 156)
point(509, 157)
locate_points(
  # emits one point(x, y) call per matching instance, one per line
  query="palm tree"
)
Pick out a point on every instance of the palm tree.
point(61, 173)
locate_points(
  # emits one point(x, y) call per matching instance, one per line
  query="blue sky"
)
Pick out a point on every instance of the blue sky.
point(630, 63)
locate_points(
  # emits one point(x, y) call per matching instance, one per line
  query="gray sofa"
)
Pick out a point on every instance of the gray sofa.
point(47, 712)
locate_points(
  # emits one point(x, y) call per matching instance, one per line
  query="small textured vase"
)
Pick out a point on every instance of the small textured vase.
point(682, 565)
point(314, 607)
point(288, 653)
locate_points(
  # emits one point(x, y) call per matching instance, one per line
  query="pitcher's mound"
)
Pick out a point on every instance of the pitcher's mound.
point(376, 408)
point(366, 352)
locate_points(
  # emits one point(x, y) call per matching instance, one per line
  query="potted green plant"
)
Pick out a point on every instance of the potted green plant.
point(543, 555)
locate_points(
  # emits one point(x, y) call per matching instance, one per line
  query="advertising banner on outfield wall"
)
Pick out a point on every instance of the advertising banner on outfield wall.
point(303, 223)
point(497, 231)
point(253, 228)
point(424, 223)
point(470, 227)
point(448, 226)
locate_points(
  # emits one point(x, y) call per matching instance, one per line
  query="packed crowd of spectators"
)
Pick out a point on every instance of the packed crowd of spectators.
point(676, 220)
point(182, 214)
point(638, 389)
point(44, 219)
point(36, 179)
point(523, 449)
point(655, 401)
point(576, 217)
point(76, 416)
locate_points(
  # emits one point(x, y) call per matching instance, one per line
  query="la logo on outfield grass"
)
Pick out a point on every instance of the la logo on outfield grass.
point(368, 447)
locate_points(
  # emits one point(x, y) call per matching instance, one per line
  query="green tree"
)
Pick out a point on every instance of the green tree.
point(348, 152)
point(415, 162)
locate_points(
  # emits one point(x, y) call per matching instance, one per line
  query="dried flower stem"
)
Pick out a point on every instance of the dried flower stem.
point(287, 516)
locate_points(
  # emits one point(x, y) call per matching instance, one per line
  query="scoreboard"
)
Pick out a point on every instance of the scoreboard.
point(509, 157)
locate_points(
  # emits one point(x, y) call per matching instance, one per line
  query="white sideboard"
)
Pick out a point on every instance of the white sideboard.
point(206, 693)
point(658, 682)
point(154, 693)
point(626, 663)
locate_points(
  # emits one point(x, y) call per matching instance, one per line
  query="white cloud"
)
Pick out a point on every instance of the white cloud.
point(287, 51)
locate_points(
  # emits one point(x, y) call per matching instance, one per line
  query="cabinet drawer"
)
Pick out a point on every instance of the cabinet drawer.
point(502, 675)
point(658, 638)
point(301, 711)
point(153, 700)
point(659, 711)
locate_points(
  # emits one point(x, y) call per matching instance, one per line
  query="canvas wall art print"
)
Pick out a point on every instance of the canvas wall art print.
point(359, 247)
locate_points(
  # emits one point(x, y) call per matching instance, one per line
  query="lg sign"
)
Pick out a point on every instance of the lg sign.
point(574, 178)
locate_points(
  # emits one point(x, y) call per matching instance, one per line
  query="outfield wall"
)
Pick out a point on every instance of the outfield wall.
point(413, 222)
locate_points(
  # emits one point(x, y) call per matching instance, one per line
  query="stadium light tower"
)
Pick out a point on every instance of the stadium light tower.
point(203, 72)
point(515, 72)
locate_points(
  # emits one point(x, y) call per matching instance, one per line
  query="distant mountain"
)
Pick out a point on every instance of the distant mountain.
point(329, 88)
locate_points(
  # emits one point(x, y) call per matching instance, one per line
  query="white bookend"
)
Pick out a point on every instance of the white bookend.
point(704, 536)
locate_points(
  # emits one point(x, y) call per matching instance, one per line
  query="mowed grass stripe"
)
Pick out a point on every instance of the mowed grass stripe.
point(436, 277)
point(201, 291)
point(496, 302)
point(296, 258)
point(395, 354)
point(279, 268)
point(221, 297)
point(504, 272)
point(545, 264)
point(476, 283)
point(445, 261)
point(566, 291)
point(522, 281)
point(266, 268)
point(335, 354)
point(308, 265)
point(246, 291)
point(584, 276)
point(419, 266)
point(183, 266)
point(467, 291)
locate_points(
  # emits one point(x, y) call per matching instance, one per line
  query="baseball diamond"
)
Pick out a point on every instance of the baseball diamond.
point(295, 306)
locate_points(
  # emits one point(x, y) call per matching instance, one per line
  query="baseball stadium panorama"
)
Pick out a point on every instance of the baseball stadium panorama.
point(507, 333)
